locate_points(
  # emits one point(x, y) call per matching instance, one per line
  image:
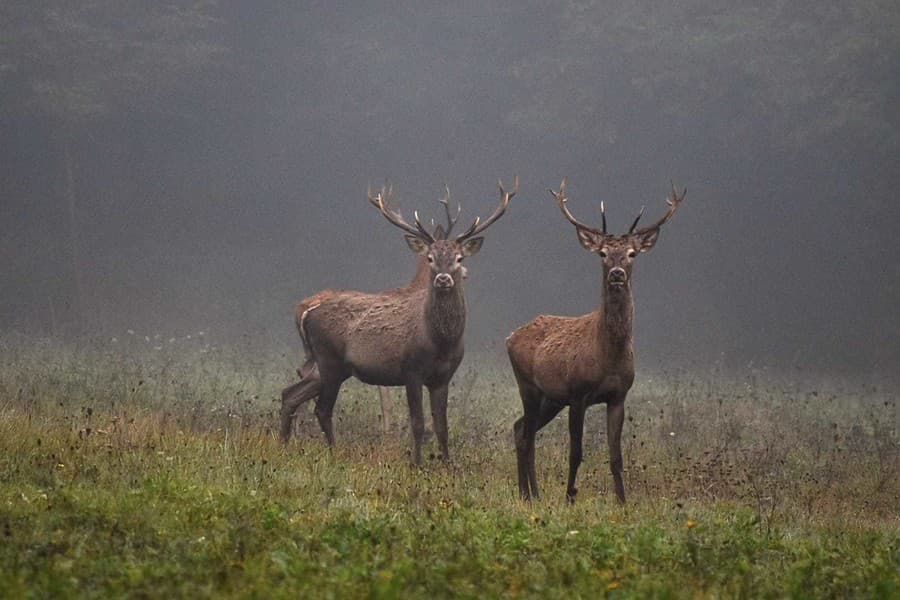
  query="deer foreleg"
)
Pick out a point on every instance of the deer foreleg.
point(416, 420)
point(438, 401)
point(576, 430)
point(325, 408)
point(615, 417)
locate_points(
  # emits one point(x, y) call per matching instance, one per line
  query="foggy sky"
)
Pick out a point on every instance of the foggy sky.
point(218, 202)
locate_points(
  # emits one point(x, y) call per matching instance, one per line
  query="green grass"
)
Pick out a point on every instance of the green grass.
point(126, 470)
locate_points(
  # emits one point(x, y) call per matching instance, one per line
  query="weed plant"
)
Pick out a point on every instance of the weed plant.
point(150, 467)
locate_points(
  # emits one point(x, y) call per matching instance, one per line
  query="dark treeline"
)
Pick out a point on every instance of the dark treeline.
point(203, 165)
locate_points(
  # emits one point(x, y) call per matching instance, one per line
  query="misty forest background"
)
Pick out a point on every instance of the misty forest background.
point(175, 167)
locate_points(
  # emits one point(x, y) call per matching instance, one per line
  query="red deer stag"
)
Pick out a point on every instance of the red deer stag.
point(411, 336)
point(582, 361)
point(420, 280)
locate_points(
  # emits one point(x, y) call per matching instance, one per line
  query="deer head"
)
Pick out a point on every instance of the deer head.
point(443, 253)
point(617, 251)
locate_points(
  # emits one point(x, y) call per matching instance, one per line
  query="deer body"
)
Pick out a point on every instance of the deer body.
point(593, 366)
point(301, 392)
point(411, 336)
point(388, 339)
point(577, 362)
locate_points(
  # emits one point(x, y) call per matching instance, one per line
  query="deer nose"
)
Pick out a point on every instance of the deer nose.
point(443, 280)
point(617, 275)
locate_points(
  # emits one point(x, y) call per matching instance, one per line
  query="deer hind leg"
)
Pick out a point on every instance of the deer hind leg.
point(576, 431)
point(548, 411)
point(293, 397)
point(325, 408)
point(525, 430)
point(615, 417)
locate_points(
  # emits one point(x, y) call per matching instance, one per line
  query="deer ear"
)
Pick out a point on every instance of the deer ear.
point(589, 240)
point(472, 246)
point(647, 240)
point(416, 244)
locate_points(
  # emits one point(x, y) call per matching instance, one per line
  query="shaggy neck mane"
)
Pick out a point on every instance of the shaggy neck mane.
point(445, 314)
point(616, 319)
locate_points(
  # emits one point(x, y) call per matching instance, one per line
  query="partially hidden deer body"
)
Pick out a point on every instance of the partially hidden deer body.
point(581, 361)
point(420, 280)
point(411, 336)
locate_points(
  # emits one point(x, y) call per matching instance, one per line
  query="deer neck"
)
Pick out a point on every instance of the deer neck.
point(422, 277)
point(445, 314)
point(615, 323)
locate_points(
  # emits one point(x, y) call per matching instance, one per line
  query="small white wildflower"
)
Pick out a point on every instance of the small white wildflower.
point(671, 434)
point(131, 332)
point(252, 492)
point(187, 337)
point(573, 532)
point(201, 539)
point(201, 333)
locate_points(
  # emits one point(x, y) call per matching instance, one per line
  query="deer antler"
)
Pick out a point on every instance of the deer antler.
point(636, 219)
point(478, 226)
point(674, 201)
point(561, 199)
point(395, 217)
point(386, 193)
point(451, 221)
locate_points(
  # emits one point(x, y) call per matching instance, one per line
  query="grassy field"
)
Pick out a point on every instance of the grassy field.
point(150, 467)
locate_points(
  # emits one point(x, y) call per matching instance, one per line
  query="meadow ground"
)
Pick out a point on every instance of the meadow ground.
point(150, 467)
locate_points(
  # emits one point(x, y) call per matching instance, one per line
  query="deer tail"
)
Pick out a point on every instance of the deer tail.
point(310, 365)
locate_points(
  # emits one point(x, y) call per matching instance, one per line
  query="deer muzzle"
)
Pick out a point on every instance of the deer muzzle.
point(617, 276)
point(443, 281)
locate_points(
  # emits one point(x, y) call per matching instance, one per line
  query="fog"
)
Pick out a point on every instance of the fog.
point(204, 165)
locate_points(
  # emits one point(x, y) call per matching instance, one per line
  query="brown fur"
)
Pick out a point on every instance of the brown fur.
point(304, 391)
point(581, 361)
point(410, 336)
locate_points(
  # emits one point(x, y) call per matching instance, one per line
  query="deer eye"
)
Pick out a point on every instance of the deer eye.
point(632, 253)
point(459, 259)
point(602, 254)
point(430, 259)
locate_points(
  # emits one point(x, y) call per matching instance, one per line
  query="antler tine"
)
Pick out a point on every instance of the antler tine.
point(603, 215)
point(386, 193)
point(636, 219)
point(451, 221)
point(478, 226)
point(424, 233)
point(561, 199)
point(395, 217)
point(674, 202)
